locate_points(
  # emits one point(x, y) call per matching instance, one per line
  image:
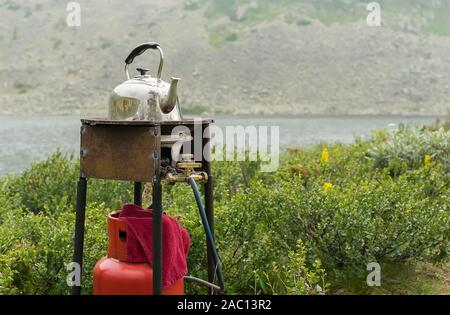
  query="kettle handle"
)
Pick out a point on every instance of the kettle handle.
point(139, 50)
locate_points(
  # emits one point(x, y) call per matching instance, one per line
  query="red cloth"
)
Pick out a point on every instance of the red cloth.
point(175, 240)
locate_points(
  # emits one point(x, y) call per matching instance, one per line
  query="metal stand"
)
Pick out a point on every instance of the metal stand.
point(108, 151)
point(79, 229)
point(157, 237)
point(138, 194)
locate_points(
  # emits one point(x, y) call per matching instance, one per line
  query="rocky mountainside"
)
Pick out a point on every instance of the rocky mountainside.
point(246, 57)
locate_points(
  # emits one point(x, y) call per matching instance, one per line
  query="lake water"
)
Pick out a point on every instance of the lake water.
point(24, 140)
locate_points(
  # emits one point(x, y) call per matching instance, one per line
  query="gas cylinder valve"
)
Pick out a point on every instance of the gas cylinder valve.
point(188, 171)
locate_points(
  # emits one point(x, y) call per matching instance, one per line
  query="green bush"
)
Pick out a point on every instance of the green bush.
point(326, 213)
point(50, 186)
point(407, 148)
point(294, 277)
point(47, 186)
point(36, 249)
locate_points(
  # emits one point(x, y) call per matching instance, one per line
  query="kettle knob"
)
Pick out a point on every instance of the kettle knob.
point(142, 71)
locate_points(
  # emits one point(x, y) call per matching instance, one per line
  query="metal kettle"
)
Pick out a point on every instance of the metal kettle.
point(144, 97)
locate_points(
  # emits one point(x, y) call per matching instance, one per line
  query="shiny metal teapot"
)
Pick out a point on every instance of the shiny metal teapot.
point(144, 97)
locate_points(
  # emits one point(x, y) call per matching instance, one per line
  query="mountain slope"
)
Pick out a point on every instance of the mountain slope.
point(245, 58)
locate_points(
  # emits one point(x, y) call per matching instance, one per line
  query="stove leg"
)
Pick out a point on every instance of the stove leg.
point(79, 229)
point(138, 194)
point(157, 237)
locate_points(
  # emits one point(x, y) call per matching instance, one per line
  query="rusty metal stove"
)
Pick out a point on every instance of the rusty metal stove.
point(132, 151)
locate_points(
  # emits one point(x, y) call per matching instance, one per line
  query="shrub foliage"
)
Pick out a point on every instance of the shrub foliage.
point(327, 212)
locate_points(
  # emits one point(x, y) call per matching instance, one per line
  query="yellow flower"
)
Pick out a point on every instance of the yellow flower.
point(327, 186)
point(427, 160)
point(325, 156)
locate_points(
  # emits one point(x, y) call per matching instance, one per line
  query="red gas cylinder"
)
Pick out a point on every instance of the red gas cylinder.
point(113, 275)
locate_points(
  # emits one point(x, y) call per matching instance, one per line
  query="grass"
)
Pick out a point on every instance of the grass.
point(15, 33)
point(57, 42)
point(440, 25)
point(241, 16)
point(217, 9)
point(413, 278)
point(195, 110)
point(240, 24)
point(191, 5)
point(23, 88)
point(12, 6)
point(329, 18)
point(219, 37)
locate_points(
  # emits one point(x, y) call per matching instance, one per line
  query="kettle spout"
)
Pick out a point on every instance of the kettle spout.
point(171, 101)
